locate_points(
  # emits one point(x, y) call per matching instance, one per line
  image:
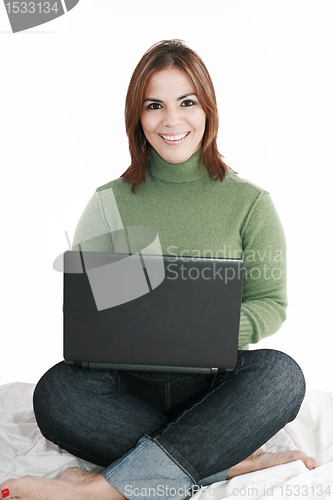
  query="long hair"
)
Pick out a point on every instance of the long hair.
point(164, 54)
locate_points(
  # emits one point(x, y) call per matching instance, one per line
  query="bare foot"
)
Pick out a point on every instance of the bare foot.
point(74, 484)
point(262, 460)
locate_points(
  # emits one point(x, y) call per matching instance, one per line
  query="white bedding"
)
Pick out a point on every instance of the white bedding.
point(23, 450)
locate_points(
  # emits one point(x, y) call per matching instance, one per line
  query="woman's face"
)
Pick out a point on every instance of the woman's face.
point(172, 118)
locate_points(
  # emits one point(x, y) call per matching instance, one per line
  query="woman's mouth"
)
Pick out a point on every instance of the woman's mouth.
point(174, 139)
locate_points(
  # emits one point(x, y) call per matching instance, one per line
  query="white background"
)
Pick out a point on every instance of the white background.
point(63, 87)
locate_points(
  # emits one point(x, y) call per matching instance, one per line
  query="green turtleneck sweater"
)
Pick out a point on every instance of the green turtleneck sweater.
point(196, 216)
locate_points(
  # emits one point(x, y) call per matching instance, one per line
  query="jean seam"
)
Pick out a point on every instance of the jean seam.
point(213, 380)
point(142, 377)
point(192, 407)
point(172, 458)
point(167, 391)
point(235, 372)
point(117, 374)
point(135, 452)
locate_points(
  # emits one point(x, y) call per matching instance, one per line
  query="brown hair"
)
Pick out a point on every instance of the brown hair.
point(160, 56)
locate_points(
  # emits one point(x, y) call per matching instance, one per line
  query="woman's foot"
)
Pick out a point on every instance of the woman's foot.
point(73, 484)
point(77, 483)
point(262, 460)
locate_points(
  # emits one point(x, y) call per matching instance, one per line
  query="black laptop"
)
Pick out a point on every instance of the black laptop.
point(151, 312)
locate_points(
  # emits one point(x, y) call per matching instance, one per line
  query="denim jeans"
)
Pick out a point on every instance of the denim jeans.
point(161, 434)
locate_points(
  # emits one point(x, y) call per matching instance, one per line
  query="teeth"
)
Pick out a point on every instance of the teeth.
point(174, 137)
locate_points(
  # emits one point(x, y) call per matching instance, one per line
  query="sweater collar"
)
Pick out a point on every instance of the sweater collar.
point(186, 171)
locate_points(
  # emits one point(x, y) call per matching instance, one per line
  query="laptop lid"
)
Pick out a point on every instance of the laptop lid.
point(151, 312)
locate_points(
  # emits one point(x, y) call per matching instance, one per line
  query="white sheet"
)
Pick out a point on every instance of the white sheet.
point(23, 450)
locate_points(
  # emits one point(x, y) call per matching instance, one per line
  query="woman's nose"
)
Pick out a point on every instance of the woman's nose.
point(171, 117)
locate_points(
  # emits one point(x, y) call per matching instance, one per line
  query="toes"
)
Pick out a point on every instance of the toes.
point(311, 463)
point(8, 489)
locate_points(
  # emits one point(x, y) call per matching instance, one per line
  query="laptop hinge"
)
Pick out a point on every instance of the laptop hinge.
point(153, 368)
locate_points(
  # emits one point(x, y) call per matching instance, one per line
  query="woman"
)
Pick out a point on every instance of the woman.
point(162, 434)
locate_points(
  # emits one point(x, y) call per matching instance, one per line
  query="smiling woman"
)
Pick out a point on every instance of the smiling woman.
point(172, 118)
point(171, 432)
point(149, 92)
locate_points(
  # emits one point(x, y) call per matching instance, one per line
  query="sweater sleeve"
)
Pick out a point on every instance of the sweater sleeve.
point(264, 300)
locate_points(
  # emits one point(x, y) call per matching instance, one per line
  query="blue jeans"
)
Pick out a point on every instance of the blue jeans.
point(160, 434)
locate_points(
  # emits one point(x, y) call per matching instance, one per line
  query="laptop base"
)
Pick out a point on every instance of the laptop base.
point(152, 368)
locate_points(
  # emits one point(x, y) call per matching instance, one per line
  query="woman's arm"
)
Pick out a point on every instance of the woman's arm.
point(264, 291)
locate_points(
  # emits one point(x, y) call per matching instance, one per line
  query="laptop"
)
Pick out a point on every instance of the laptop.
point(151, 312)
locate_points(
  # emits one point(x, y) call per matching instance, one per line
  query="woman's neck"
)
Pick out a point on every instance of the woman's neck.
point(186, 171)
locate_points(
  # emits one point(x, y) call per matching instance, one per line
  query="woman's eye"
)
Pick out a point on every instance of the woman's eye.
point(154, 105)
point(188, 103)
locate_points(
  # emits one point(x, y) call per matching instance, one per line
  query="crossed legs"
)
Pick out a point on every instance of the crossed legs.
point(202, 429)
